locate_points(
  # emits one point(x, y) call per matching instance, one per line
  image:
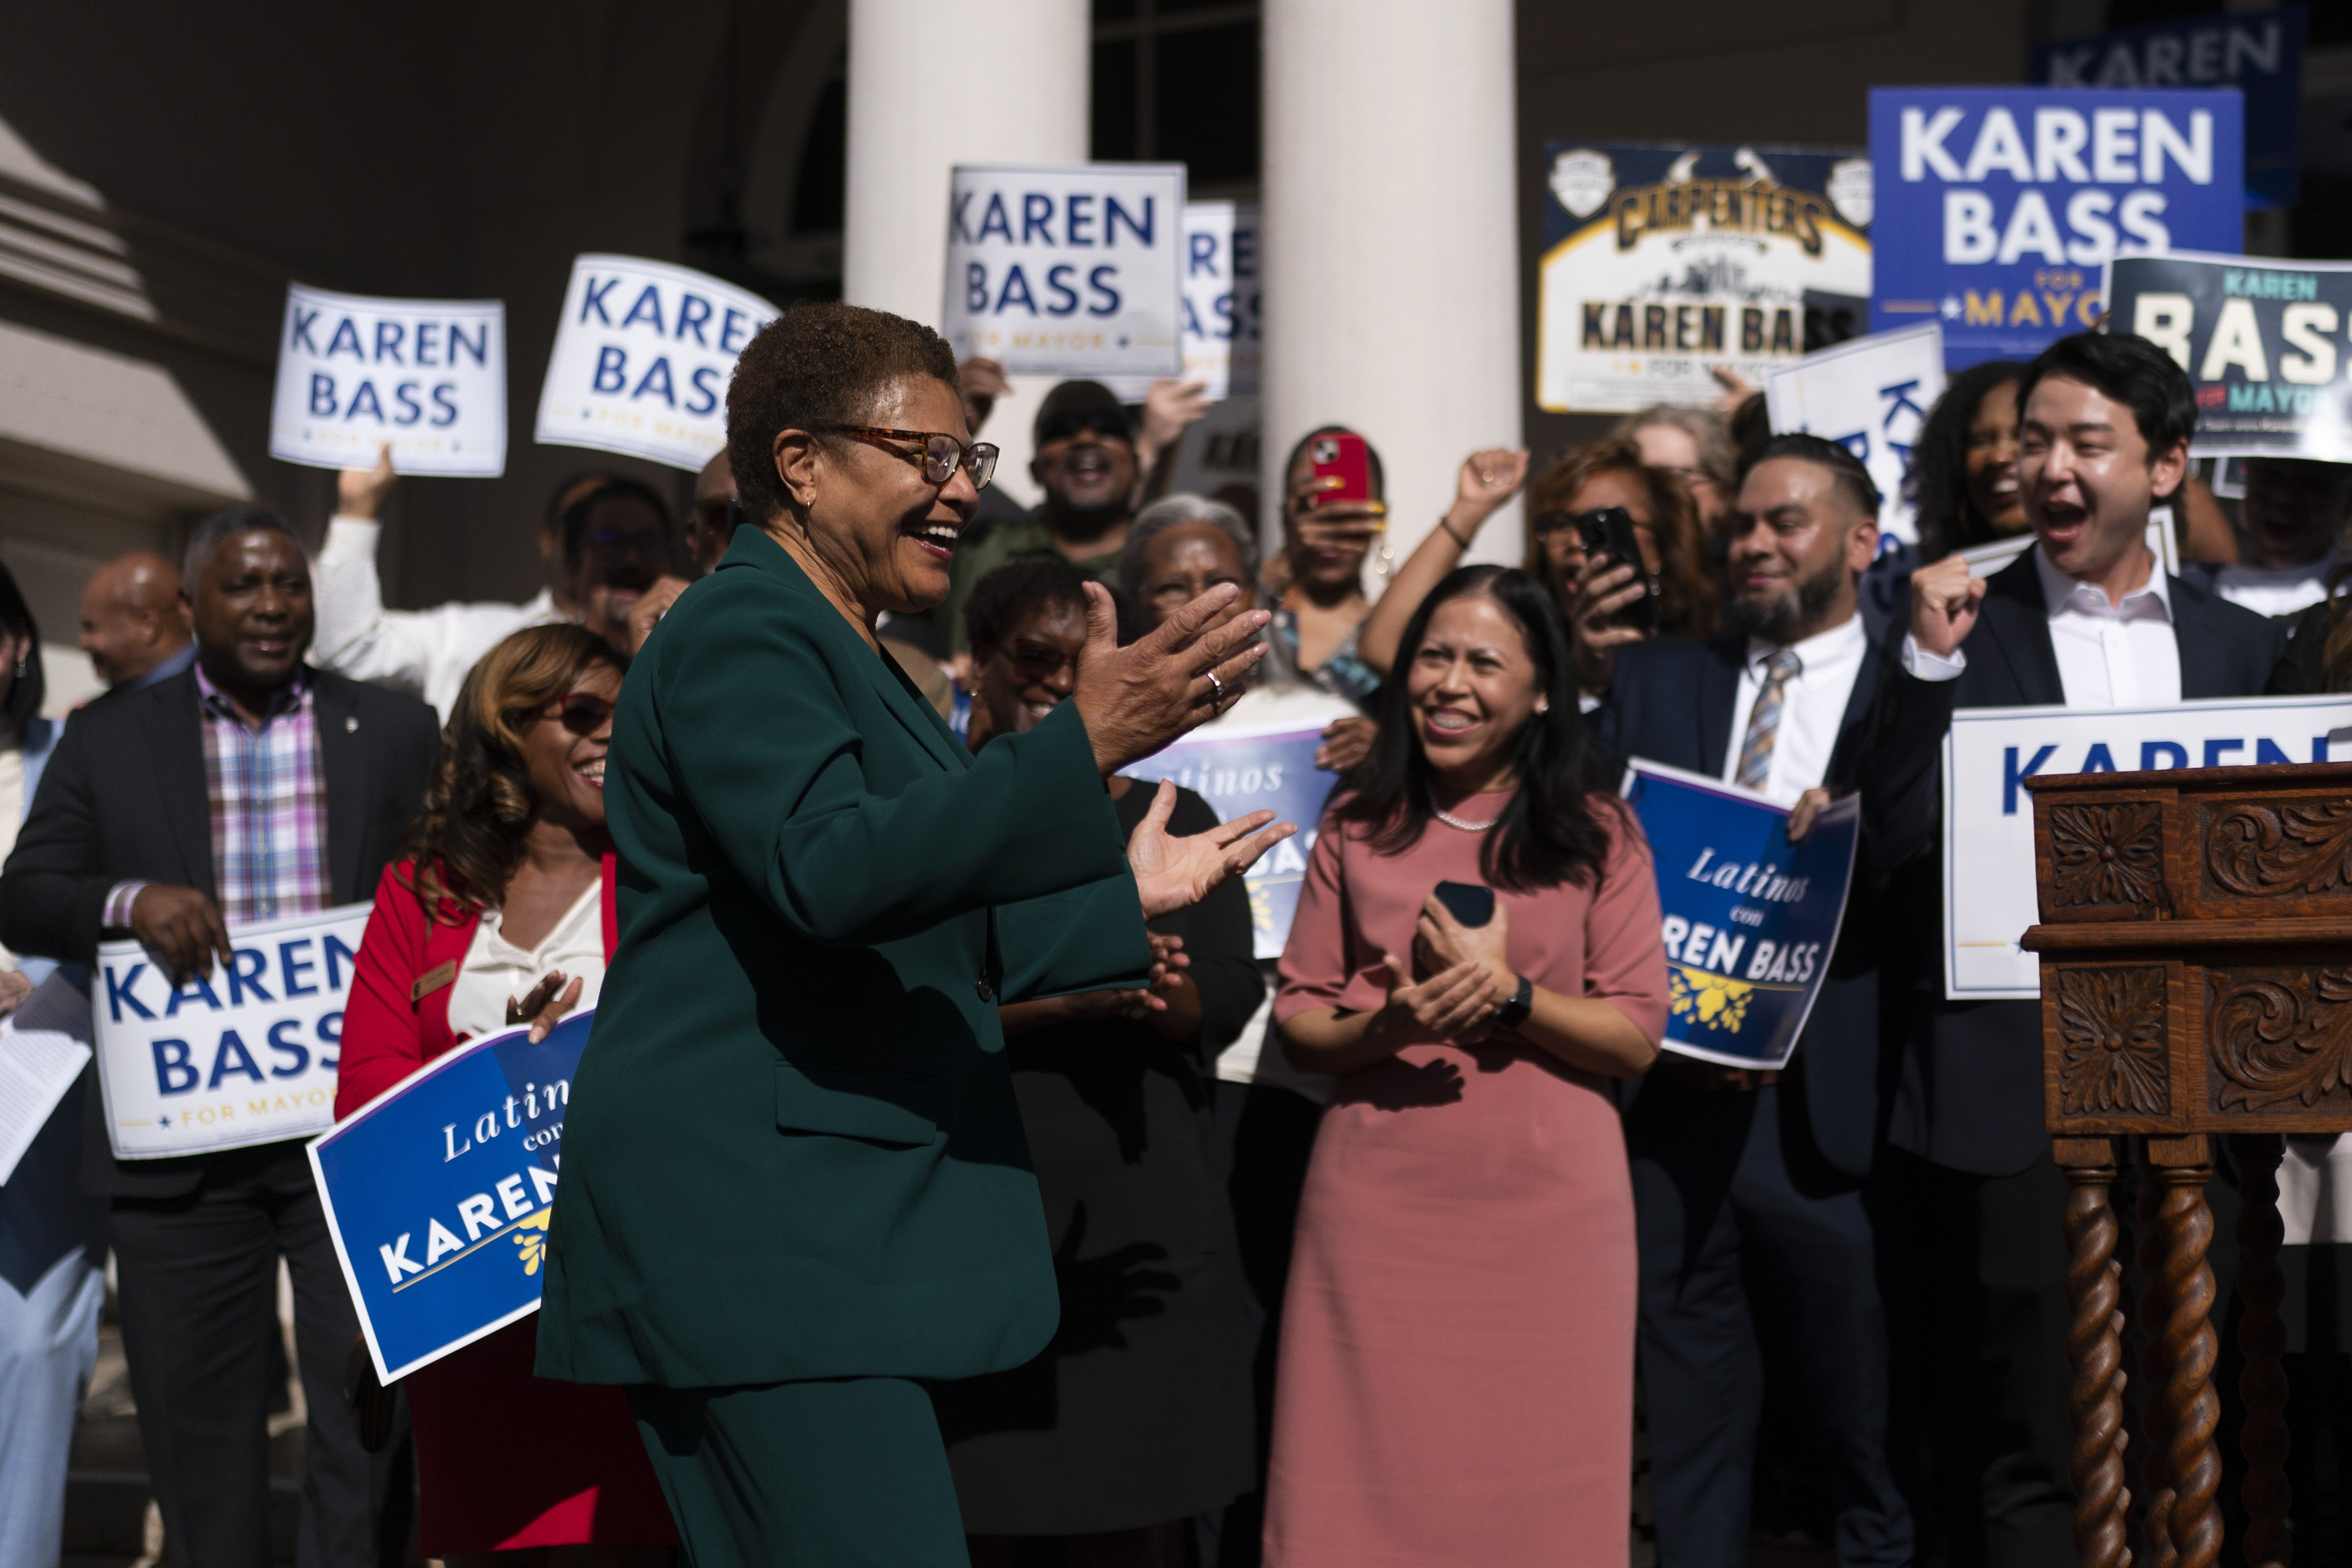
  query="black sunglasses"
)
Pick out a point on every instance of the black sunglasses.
point(581, 712)
point(1110, 424)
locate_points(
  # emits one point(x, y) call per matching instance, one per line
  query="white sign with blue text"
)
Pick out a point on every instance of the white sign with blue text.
point(1999, 207)
point(1871, 396)
point(642, 359)
point(1989, 894)
point(235, 1056)
point(426, 377)
point(438, 1192)
point(1068, 270)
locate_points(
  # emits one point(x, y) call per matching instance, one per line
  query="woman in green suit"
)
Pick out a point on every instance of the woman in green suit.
point(796, 1180)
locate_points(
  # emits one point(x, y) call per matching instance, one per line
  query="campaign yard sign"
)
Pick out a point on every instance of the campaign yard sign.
point(2268, 344)
point(1750, 918)
point(427, 377)
point(2002, 205)
point(235, 1058)
point(1989, 894)
point(1256, 770)
point(1068, 270)
point(438, 1191)
point(1220, 319)
point(1871, 396)
point(642, 359)
point(2260, 53)
point(1661, 263)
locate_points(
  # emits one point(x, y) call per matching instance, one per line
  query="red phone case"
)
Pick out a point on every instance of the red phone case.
point(1343, 466)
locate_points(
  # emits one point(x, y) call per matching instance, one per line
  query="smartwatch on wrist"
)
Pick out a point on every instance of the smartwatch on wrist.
point(1514, 1012)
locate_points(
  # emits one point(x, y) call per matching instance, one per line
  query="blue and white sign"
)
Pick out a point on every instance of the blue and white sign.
point(1068, 270)
point(427, 377)
point(1256, 770)
point(1871, 396)
point(2264, 341)
point(234, 1057)
point(2260, 53)
point(642, 359)
point(1989, 893)
point(2001, 204)
point(1220, 320)
point(1751, 920)
point(438, 1191)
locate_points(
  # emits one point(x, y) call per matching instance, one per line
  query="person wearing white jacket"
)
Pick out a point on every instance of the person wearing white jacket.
point(608, 540)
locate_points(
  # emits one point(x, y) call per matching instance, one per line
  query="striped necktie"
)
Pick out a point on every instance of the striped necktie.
point(1764, 718)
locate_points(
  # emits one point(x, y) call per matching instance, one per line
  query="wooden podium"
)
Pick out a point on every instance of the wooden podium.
point(2196, 943)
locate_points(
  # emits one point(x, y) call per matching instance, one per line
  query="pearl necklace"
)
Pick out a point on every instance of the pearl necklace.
point(1452, 821)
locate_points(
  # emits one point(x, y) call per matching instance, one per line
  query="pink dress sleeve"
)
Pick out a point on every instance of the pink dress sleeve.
point(1316, 960)
point(1624, 950)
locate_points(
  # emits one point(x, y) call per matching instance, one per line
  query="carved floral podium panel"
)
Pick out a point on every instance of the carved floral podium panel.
point(2196, 946)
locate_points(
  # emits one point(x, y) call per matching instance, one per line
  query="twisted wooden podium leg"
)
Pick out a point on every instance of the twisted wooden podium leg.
point(2094, 1350)
point(2183, 1408)
point(2261, 1287)
point(2155, 1484)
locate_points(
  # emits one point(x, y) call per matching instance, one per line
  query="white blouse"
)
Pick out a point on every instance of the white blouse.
point(495, 969)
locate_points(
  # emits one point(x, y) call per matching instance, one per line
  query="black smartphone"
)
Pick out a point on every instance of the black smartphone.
point(1610, 532)
point(1467, 902)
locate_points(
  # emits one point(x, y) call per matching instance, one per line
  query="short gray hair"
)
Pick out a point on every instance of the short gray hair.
point(1717, 460)
point(220, 526)
point(1170, 511)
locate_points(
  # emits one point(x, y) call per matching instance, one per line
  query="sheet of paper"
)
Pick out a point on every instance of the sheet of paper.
point(37, 1067)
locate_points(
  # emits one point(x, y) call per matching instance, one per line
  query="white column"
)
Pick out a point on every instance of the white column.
point(934, 83)
point(1393, 244)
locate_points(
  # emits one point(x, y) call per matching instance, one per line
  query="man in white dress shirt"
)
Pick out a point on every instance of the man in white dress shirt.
point(2294, 516)
point(1973, 1203)
point(1752, 1184)
point(607, 541)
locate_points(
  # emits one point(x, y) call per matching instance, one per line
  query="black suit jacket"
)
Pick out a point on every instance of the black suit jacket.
point(1672, 700)
point(1969, 1094)
point(124, 799)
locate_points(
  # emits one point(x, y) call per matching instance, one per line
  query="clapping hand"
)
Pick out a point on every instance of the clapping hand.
point(543, 1008)
point(1173, 873)
point(1448, 941)
point(1137, 698)
point(1346, 743)
point(1447, 1004)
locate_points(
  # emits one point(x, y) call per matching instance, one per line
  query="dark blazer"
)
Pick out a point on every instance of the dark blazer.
point(1970, 1096)
point(793, 1149)
point(1672, 700)
point(124, 799)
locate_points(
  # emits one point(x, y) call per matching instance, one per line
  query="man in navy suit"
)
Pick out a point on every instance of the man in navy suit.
point(1746, 1178)
point(2086, 619)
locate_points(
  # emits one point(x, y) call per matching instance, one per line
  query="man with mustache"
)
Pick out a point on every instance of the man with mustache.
point(1740, 1175)
point(1975, 1203)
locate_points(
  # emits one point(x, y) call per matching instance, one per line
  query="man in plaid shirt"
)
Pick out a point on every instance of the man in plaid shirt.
point(248, 787)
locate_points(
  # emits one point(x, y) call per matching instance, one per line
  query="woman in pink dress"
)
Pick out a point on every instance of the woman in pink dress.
point(1456, 1375)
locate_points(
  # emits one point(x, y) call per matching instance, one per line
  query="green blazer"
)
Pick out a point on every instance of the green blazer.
point(792, 1149)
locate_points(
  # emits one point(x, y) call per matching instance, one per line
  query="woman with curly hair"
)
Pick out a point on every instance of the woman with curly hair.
point(499, 911)
point(1963, 479)
point(1593, 591)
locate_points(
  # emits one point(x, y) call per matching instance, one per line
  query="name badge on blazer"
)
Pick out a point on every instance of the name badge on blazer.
point(432, 980)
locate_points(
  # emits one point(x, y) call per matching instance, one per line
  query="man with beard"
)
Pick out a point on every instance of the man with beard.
point(1754, 1179)
point(1086, 465)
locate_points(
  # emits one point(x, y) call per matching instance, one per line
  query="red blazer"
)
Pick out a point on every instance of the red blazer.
point(389, 1031)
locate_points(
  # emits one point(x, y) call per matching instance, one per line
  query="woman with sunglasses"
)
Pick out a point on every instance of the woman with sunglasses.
point(497, 913)
point(795, 1185)
point(1136, 1417)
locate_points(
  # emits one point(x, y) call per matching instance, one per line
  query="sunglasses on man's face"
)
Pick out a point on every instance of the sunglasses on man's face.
point(1037, 662)
point(1110, 424)
point(583, 713)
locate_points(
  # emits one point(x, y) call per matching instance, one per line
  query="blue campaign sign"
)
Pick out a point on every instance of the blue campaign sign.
point(1750, 918)
point(1999, 207)
point(1256, 770)
point(2259, 53)
point(438, 1191)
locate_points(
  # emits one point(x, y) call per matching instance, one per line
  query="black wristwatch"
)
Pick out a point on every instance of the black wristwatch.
point(1514, 1012)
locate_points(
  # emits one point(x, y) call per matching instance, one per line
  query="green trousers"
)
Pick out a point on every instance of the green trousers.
point(836, 1474)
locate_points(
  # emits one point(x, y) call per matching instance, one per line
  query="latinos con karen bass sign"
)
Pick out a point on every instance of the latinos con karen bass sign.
point(1662, 262)
point(1999, 205)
